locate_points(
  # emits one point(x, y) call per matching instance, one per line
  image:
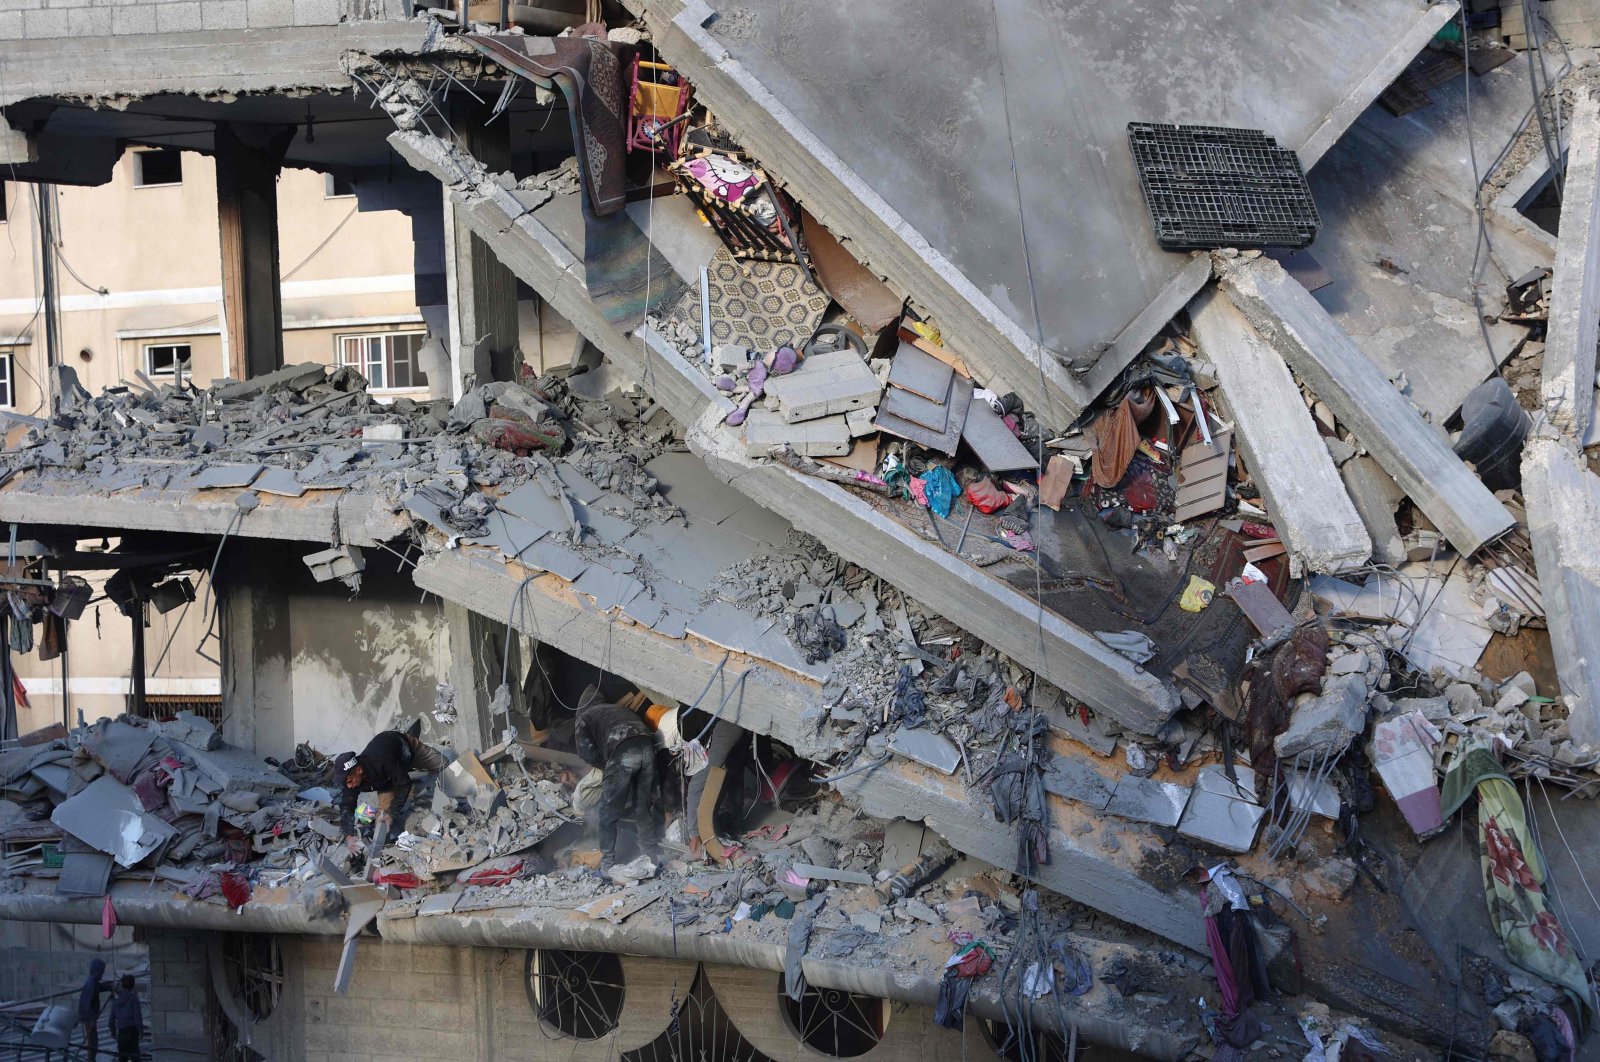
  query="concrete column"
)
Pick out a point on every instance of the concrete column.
point(248, 161)
point(482, 291)
point(257, 698)
point(477, 645)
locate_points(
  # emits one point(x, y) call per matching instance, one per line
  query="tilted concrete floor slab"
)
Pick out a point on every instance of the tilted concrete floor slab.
point(1400, 233)
point(1002, 616)
point(1288, 459)
point(1573, 330)
point(780, 704)
point(902, 141)
point(1362, 398)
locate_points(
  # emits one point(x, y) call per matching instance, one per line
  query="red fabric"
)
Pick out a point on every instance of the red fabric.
point(1258, 531)
point(494, 872)
point(401, 879)
point(986, 496)
point(235, 889)
point(975, 963)
point(108, 918)
point(19, 691)
point(1140, 492)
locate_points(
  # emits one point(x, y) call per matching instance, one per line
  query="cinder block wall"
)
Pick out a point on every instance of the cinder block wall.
point(176, 1010)
point(404, 1003)
point(43, 19)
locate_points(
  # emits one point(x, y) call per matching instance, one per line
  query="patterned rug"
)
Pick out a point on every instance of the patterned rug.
point(763, 305)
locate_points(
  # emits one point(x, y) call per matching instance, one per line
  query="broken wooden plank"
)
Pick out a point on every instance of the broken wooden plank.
point(1326, 358)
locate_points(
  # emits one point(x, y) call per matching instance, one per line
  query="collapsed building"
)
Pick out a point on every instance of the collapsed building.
point(1106, 599)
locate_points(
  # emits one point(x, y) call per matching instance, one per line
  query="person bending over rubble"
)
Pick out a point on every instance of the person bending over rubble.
point(384, 767)
point(620, 743)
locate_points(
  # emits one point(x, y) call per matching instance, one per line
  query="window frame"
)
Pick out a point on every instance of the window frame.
point(138, 175)
point(177, 372)
point(364, 360)
point(8, 385)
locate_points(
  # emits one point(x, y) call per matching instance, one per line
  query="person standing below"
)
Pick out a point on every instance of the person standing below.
point(621, 745)
point(89, 1006)
point(384, 767)
point(127, 1020)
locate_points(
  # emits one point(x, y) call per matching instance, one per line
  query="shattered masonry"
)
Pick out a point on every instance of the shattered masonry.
point(1093, 638)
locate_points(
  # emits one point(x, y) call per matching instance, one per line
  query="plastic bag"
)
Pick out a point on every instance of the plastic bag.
point(940, 488)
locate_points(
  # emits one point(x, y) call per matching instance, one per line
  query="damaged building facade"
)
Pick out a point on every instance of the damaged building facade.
point(1114, 546)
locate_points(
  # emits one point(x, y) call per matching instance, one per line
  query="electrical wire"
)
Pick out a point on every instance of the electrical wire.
point(354, 207)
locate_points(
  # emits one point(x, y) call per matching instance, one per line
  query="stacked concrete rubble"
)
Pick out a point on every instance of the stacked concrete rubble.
point(1252, 444)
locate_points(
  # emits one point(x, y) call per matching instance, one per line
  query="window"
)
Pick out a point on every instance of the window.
point(7, 398)
point(168, 359)
point(153, 169)
point(336, 187)
point(5, 203)
point(387, 359)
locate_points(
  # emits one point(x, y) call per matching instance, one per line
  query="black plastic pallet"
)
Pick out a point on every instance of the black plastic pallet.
point(1207, 187)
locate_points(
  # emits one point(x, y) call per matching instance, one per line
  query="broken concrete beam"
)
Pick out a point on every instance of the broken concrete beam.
point(1563, 503)
point(766, 432)
point(1288, 459)
point(1328, 360)
point(1376, 495)
point(1059, 651)
point(1326, 724)
point(1574, 325)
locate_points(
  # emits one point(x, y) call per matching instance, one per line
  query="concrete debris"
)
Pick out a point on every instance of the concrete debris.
point(1328, 723)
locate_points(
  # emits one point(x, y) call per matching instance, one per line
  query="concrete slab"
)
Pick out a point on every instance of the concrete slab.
point(1288, 460)
point(1016, 272)
point(927, 749)
point(1563, 503)
point(1146, 800)
point(1221, 814)
point(1573, 330)
point(766, 432)
point(1338, 373)
point(1400, 231)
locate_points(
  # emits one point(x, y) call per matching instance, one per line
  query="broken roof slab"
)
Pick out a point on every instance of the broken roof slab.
point(538, 247)
point(318, 516)
point(1061, 261)
point(1400, 231)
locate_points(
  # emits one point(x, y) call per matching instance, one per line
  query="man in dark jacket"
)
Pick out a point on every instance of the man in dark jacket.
point(384, 767)
point(89, 1006)
point(127, 1022)
point(620, 743)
